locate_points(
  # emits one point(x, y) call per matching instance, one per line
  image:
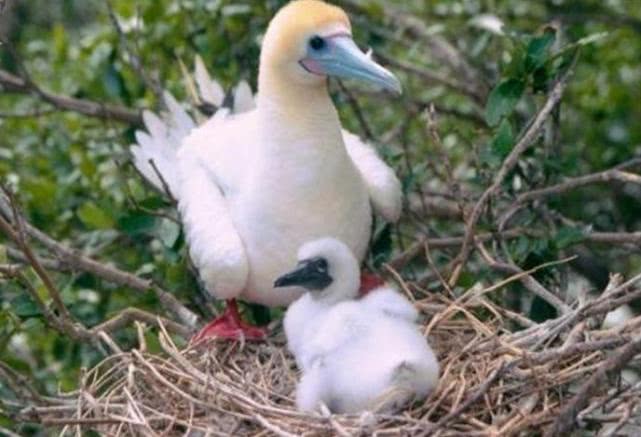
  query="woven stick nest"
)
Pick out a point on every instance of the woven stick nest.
point(502, 374)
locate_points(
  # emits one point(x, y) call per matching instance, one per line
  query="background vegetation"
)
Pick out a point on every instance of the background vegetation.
point(73, 180)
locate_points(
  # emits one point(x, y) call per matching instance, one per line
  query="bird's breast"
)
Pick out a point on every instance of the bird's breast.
point(282, 209)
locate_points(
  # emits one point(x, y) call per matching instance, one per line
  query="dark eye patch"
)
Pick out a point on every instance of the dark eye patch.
point(321, 265)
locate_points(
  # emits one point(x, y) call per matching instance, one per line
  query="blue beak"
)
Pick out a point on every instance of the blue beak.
point(340, 57)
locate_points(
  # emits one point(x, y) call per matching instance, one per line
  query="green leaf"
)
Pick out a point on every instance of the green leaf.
point(24, 306)
point(375, 9)
point(592, 38)
point(382, 245)
point(260, 314)
point(520, 248)
point(503, 99)
point(94, 217)
point(538, 50)
point(168, 232)
point(567, 236)
point(504, 140)
point(136, 223)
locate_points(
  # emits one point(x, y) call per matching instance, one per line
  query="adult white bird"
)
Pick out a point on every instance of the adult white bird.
point(355, 355)
point(252, 187)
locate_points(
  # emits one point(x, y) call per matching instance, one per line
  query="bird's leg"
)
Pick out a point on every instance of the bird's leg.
point(369, 281)
point(230, 326)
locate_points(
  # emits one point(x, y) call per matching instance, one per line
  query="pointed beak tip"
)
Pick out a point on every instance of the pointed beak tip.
point(397, 88)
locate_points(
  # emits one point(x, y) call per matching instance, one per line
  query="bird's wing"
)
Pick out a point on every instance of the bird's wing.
point(214, 243)
point(391, 303)
point(200, 167)
point(343, 323)
point(383, 185)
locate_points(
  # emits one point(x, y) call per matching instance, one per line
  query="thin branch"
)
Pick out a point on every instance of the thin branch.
point(450, 178)
point(20, 385)
point(14, 84)
point(533, 285)
point(76, 261)
point(358, 112)
point(431, 77)
point(528, 138)
point(475, 397)
point(566, 420)
point(439, 47)
point(134, 59)
point(129, 315)
point(418, 247)
point(20, 240)
point(573, 183)
point(615, 237)
point(527, 280)
point(63, 323)
point(33, 114)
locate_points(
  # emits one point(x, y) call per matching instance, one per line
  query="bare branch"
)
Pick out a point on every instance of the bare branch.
point(439, 47)
point(431, 77)
point(33, 114)
point(134, 59)
point(527, 280)
point(565, 422)
point(527, 139)
point(358, 112)
point(73, 260)
point(614, 174)
point(475, 397)
point(20, 385)
point(130, 315)
point(15, 234)
point(14, 84)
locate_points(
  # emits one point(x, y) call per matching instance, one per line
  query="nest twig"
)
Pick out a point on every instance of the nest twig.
point(494, 380)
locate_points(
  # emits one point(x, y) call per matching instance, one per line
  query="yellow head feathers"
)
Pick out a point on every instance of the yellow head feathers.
point(310, 40)
point(289, 30)
point(308, 15)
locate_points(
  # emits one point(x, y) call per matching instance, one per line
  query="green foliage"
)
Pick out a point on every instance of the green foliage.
point(503, 100)
point(75, 183)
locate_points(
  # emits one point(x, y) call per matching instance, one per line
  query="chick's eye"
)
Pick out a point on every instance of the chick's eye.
point(322, 265)
point(317, 43)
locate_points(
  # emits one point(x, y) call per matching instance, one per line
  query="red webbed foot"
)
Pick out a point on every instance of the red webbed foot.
point(230, 326)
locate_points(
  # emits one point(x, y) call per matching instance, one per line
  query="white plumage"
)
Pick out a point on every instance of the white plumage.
point(252, 185)
point(355, 355)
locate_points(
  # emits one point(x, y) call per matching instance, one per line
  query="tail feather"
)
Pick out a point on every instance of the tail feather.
point(155, 154)
point(419, 377)
point(181, 122)
point(210, 90)
point(243, 98)
point(411, 380)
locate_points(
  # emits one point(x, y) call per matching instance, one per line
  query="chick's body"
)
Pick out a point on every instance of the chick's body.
point(355, 355)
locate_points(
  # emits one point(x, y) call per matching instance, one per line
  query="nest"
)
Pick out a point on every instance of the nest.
point(501, 374)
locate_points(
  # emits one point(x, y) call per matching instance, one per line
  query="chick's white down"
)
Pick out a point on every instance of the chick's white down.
point(356, 355)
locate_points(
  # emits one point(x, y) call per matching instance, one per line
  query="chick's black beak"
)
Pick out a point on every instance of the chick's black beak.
point(310, 274)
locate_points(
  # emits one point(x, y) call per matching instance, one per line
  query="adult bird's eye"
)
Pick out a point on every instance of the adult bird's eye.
point(317, 43)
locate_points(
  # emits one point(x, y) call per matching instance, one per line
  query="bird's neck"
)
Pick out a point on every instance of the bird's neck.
point(342, 290)
point(295, 113)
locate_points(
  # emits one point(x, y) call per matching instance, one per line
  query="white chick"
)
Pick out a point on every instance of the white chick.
point(355, 355)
